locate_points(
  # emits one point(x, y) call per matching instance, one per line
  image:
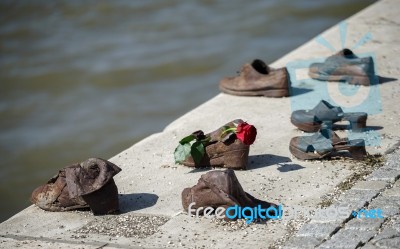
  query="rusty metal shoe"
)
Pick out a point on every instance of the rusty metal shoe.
point(219, 189)
point(345, 66)
point(325, 144)
point(223, 151)
point(88, 184)
point(257, 79)
point(311, 120)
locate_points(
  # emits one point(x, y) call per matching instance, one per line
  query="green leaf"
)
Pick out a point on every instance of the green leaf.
point(182, 152)
point(197, 152)
point(187, 139)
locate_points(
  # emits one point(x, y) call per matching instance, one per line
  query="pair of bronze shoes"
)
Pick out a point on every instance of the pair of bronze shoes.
point(325, 142)
point(258, 79)
point(84, 185)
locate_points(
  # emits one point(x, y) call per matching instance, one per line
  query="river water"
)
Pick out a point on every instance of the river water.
point(84, 79)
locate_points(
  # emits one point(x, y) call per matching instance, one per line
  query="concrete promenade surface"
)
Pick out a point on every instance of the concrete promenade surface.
point(150, 184)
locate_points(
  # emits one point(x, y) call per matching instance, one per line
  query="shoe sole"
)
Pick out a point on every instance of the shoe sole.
point(304, 155)
point(357, 123)
point(308, 127)
point(356, 152)
point(272, 93)
point(231, 160)
point(355, 80)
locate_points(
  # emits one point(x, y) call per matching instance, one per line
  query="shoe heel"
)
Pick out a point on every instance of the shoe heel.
point(236, 159)
point(357, 150)
point(359, 80)
point(358, 123)
point(104, 200)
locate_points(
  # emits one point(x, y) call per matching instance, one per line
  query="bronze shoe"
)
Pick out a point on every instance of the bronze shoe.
point(219, 189)
point(257, 79)
point(79, 186)
point(221, 150)
point(345, 66)
point(324, 144)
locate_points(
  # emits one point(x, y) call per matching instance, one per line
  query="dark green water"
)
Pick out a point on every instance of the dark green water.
point(86, 79)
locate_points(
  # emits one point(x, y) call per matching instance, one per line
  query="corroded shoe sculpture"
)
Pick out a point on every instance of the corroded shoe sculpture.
point(311, 120)
point(226, 147)
point(345, 66)
point(81, 185)
point(219, 189)
point(324, 144)
point(257, 79)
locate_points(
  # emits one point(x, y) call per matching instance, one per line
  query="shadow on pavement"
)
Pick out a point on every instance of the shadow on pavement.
point(385, 79)
point(347, 127)
point(289, 167)
point(265, 160)
point(294, 91)
point(203, 169)
point(137, 201)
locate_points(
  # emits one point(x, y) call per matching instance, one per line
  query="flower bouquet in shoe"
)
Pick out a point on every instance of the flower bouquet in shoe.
point(227, 147)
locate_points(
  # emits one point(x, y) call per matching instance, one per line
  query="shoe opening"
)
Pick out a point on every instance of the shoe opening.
point(348, 53)
point(260, 66)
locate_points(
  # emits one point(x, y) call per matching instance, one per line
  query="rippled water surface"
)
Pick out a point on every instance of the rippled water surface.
point(86, 79)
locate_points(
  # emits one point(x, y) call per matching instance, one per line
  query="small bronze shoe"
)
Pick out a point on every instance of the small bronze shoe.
point(221, 150)
point(345, 66)
point(219, 189)
point(257, 79)
point(326, 144)
point(311, 120)
point(54, 195)
point(89, 184)
point(231, 154)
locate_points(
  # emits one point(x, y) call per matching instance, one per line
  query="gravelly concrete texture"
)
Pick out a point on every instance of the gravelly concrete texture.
point(150, 184)
point(363, 231)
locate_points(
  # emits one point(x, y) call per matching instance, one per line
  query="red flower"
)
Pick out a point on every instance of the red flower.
point(246, 133)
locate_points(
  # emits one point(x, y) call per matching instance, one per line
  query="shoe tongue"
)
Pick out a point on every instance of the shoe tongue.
point(326, 130)
point(89, 176)
point(328, 133)
point(260, 66)
point(346, 53)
